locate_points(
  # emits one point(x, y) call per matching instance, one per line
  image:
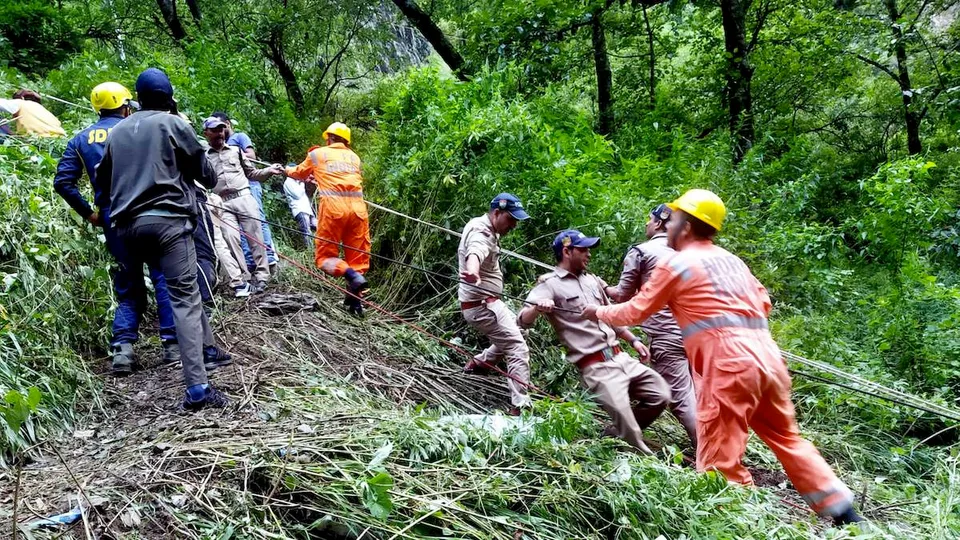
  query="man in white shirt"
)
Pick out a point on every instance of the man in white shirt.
point(301, 209)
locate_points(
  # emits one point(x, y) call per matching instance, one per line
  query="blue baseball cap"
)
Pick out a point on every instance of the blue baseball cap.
point(510, 203)
point(153, 82)
point(213, 122)
point(661, 212)
point(573, 238)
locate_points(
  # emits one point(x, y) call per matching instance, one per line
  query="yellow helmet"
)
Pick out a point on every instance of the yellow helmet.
point(109, 95)
point(702, 204)
point(339, 129)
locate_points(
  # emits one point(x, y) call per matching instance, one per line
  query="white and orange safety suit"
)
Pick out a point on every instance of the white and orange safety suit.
point(741, 379)
point(341, 212)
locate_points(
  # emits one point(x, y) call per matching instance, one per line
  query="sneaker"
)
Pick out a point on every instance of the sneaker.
point(214, 357)
point(274, 269)
point(122, 359)
point(171, 352)
point(212, 398)
point(242, 291)
point(259, 287)
point(848, 516)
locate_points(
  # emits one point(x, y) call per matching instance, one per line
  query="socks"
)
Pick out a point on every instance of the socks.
point(197, 392)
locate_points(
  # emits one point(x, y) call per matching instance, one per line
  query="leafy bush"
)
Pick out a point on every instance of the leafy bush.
point(35, 37)
point(54, 294)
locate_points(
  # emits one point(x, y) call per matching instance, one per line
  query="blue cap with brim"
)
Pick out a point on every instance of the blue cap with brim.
point(509, 202)
point(213, 122)
point(573, 238)
point(153, 82)
point(661, 212)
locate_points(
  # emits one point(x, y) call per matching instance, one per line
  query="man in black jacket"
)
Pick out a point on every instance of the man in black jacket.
point(151, 161)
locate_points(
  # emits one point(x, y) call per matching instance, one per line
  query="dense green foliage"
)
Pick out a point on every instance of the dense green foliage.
point(35, 37)
point(853, 230)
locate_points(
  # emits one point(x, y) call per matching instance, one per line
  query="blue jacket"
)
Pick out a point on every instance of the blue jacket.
point(84, 153)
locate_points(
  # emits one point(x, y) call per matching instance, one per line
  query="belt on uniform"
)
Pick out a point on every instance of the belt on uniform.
point(332, 193)
point(477, 303)
point(600, 356)
point(233, 195)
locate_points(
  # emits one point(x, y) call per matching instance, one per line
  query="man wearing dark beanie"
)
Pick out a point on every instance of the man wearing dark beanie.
point(148, 169)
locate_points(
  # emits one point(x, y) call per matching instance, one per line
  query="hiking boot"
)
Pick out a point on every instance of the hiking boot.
point(212, 398)
point(353, 305)
point(242, 291)
point(122, 359)
point(848, 516)
point(214, 357)
point(171, 352)
point(259, 287)
point(356, 283)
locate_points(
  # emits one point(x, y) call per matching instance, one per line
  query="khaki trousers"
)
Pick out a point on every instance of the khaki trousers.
point(632, 394)
point(670, 361)
point(235, 274)
point(241, 214)
point(499, 324)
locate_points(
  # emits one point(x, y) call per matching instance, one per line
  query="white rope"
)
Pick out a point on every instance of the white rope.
point(881, 390)
point(55, 98)
point(511, 253)
point(909, 399)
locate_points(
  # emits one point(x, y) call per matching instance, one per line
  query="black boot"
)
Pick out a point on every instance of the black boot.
point(848, 516)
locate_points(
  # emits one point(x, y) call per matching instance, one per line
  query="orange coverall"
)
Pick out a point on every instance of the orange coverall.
point(341, 212)
point(742, 380)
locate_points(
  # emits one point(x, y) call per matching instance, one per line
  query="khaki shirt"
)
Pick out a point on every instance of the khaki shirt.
point(481, 240)
point(580, 336)
point(232, 169)
point(638, 265)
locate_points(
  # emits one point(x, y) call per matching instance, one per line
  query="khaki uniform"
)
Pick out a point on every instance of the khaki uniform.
point(492, 317)
point(632, 394)
point(240, 209)
point(666, 343)
point(236, 274)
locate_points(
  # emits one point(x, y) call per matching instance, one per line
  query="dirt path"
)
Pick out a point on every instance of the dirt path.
point(114, 460)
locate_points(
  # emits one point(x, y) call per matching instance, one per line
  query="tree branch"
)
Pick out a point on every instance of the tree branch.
point(877, 65)
point(435, 36)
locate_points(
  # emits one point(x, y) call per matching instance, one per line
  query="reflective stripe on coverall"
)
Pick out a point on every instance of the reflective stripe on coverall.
point(742, 379)
point(341, 212)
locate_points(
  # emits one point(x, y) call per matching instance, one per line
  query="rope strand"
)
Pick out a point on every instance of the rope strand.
point(875, 390)
point(394, 316)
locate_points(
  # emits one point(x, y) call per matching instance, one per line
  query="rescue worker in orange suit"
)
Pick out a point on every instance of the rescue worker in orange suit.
point(666, 343)
point(341, 212)
point(742, 380)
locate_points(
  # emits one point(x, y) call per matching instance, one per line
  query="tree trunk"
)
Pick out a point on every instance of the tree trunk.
point(911, 115)
point(168, 8)
point(287, 75)
point(604, 75)
point(194, 10)
point(432, 33)
point(739, 75)
point(653, 59)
